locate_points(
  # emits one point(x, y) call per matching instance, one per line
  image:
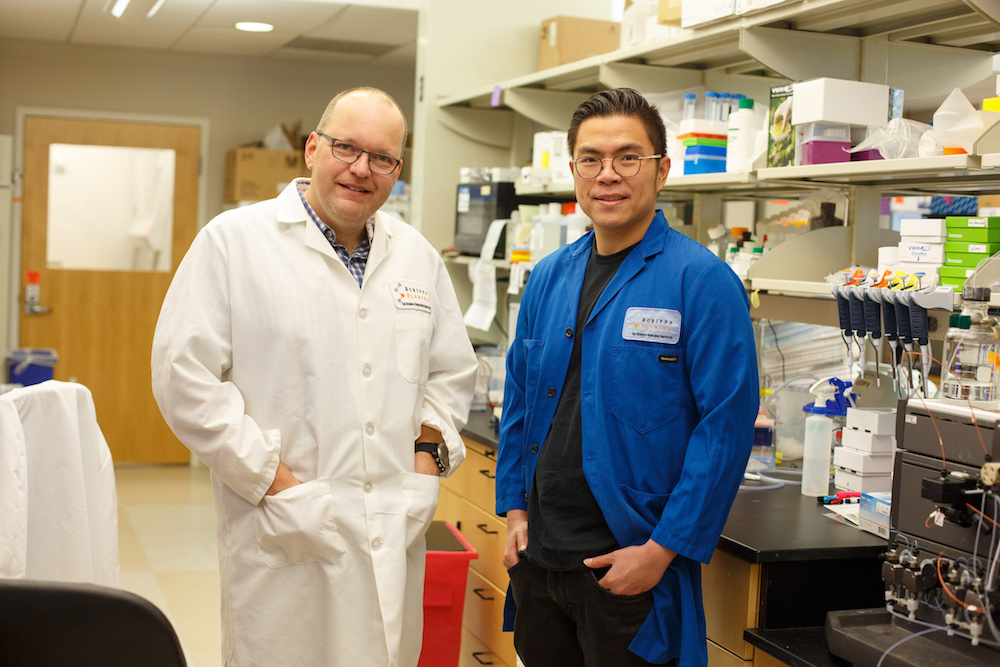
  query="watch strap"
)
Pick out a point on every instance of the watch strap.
point(434, 449)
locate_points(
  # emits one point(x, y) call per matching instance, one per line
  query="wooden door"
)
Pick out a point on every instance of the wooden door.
point(101, 321)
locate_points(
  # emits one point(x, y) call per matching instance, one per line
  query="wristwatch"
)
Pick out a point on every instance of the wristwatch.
point(439, 453)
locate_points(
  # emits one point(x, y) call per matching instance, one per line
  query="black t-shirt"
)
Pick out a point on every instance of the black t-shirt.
point(565, 523)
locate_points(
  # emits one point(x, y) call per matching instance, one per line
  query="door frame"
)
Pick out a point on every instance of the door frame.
point(11, 312)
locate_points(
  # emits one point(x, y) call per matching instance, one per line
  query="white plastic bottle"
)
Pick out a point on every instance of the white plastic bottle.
point(739, 145)
point(818, 446)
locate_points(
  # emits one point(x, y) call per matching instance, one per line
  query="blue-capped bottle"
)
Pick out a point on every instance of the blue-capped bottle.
point(972, 353)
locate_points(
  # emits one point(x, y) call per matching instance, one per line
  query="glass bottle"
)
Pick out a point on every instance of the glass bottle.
point(971, 350)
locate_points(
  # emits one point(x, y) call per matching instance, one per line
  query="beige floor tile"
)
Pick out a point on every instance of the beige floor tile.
point(193, 598)
point(130, 554)
point(163, 485)
point(176, 537)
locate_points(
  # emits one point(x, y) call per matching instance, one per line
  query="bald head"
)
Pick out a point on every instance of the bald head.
point(364, 91)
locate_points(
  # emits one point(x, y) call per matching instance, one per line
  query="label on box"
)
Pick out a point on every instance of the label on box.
point(780, 137)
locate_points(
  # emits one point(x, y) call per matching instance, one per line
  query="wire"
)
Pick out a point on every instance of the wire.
point(932, 626)
point(945, 588)
point(993, 521)
point(777, 348)
point(906, 639)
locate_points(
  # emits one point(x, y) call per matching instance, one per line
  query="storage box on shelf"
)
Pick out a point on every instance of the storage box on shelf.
point(253, 174)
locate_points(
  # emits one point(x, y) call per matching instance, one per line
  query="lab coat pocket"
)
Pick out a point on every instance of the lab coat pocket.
point(298, 525)
point(413, 345)
point(644, 509)
point(420, 493)
point(645, 380)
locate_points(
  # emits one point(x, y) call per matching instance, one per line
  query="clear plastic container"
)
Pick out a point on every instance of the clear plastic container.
point(818, 446)
point(711, 105)
point(971, 350)
point(689, 101)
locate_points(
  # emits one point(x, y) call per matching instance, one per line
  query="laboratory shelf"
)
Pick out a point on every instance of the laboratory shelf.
point(940, 173)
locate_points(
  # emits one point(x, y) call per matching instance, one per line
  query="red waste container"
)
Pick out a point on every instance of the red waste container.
point(448, 556)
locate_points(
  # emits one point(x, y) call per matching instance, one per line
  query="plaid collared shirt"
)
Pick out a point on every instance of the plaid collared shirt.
point(355, 262)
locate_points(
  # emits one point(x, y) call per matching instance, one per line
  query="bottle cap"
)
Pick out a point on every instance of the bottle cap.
point(746, 103)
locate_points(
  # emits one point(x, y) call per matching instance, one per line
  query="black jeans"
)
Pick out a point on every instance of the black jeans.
point(565, 619)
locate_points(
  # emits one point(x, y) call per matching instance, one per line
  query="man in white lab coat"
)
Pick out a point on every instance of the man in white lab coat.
point(312, 353)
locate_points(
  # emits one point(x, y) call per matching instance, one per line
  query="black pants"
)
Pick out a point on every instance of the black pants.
point(565, 619)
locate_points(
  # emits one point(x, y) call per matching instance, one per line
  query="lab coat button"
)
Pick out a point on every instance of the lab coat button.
point(569, 333)
point(551, 391)
point(376, 545)
point(534, 448)
point(368, 487)
point(363, 313)
point(367, 371)
point(369, 429)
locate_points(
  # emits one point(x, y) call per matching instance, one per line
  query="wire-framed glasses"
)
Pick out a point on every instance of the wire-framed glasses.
point(349, 153)
point(626, 165)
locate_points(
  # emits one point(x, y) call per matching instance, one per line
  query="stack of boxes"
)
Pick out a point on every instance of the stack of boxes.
point(704, 144)
point(864, 460)
point(969, 240)
point(922, 248)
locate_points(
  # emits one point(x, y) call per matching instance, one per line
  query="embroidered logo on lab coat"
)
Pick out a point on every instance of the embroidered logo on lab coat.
point(654, 325)
point(409, 295)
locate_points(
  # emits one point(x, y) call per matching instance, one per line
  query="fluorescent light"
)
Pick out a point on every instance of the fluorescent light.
point(156, 8)
point(119, 8)
point(253, 26)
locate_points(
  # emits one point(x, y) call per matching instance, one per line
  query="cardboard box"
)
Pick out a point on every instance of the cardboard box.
point(566, 39)
point(845, 480)
point(922, 252)
point(827, 100)
point(876, 508)
point(867, 442)
point(670, 12)
point(862, 462)
point(966, 222)
point(780, 136)
point(922, 227)
point(870, 526)
point(253, 174)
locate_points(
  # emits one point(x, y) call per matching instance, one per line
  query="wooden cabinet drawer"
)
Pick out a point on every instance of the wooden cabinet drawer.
point(488, 534)
point(475, 480)
point(720, 657)
point(731, 590)
point(448, 503)
point(484, 616)
point(475, 653)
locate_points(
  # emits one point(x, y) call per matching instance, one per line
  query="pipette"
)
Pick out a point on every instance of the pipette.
point(873, 320)
point(918, 327)
point(856, 299)
point(844, 314)
point(902, 305)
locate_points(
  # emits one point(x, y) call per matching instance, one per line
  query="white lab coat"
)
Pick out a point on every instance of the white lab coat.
point(266, 348)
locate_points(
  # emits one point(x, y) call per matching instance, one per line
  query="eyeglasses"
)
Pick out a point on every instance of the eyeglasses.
point(626, 165)
point(349, 153)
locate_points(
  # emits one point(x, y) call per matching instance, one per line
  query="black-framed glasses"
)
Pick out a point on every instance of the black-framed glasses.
point(626, 165)
point(349, 153)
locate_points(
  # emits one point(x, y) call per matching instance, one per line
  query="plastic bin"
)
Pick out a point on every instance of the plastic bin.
point(448, 556)
point(31, 365)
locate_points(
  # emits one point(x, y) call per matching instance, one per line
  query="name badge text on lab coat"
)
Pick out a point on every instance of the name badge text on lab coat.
point(410, 295)
point(654, 325)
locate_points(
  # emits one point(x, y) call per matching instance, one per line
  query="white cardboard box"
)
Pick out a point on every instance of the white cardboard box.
point(870, 526)
point(922, 253)
point(923, 227)
point(828, 100)
point(858, 461)
point(850, 481)
point(696, 12)
point(909, 238)
point(876, 422)
point(876, 507)
point(866, 441)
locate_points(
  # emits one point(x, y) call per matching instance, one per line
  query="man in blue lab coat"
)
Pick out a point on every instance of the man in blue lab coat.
point(628, 415)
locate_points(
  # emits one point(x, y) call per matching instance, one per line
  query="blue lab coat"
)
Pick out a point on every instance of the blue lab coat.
point(668, 413)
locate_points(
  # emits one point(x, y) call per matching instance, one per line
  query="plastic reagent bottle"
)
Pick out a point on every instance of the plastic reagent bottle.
point(740, 138)
point(711, 105)
point(689, 102)
point(723, 113)
point(818, 445)
point(971, 350)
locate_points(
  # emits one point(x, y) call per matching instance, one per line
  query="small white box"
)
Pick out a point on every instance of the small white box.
point(923, 227)
point(696, 12)
point(876, 507)
point(845, 480)
point(870, 526)
point(827, 100)
point(861, 462)
point(549, 151)
point(921, 253)
point(865, 441)
point(876, 422)
point(922, 239)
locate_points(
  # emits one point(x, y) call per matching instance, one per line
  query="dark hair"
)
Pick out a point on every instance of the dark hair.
point(620, 102)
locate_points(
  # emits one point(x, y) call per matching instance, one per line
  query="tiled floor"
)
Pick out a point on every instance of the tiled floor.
point(166, 537)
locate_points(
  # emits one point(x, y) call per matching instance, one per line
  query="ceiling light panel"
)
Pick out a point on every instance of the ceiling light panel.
point(95, 26)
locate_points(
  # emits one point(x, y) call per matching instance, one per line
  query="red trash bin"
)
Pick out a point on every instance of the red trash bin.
point(448, 556)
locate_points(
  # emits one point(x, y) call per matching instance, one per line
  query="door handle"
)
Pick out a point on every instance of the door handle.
point(487, 475)
point(33, 297)
point(35, 309)
point(482, 527)
point(476, 655)
point(479, 592)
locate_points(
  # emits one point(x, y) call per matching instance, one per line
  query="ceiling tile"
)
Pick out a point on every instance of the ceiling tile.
point(159, 32)
point(370, 24)
point(50, 20)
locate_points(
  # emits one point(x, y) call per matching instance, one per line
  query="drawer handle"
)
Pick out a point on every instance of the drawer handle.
point(479, 592)
point(487, 475)
point(476, 655)
point(482, 527)
point(491, 453)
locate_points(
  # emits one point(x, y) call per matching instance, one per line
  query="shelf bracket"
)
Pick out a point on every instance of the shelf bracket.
point(553, 109)
point(923, 71)
point(492, 127)
point(648, 78)
point(988, 142)
point(988, 9)
point(799, 55)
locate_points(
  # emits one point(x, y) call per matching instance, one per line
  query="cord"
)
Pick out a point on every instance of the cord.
point(777, 348)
